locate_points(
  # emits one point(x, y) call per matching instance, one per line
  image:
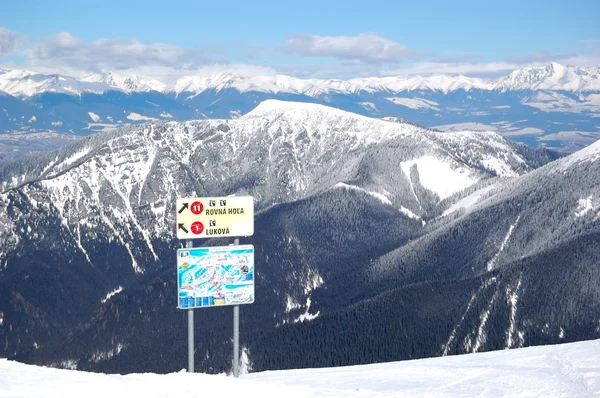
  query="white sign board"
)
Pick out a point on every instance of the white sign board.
point(215, 217)
point(215, 276)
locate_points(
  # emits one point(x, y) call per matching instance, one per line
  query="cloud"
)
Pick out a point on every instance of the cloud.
point(365, 47)
point(65, 50)
point(481, 69)
point(344, 57)
point(540, 56)
point(9, 41)
point(593, 44)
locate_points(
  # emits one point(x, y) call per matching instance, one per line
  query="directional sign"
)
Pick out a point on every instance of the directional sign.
point(215, 217)
point(214, 276)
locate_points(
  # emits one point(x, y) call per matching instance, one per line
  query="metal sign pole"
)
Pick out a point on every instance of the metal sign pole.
point(189, 245)
point(236, 333)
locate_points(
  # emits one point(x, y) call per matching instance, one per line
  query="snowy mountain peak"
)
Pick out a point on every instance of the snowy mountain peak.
point(125, 83)
point(552, 77)
point(278, 106)
point(302, 114)
point(590, 153)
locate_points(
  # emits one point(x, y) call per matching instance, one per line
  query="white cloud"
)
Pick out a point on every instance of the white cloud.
point(363, 55)
point(9, 41)
point(65, 50)
point(483, 69)
point(363, 47)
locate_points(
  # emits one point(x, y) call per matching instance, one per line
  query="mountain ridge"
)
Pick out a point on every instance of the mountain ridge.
point(554, 76)
point(446, 233)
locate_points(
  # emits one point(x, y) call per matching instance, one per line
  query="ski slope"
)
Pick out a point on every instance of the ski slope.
point(566, 370)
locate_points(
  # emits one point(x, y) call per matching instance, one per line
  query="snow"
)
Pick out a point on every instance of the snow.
point(499, 166)
point(473, 126)
point(492, 263)
point(469, 201)
point(307, 316)
point(118, 290)
point(513, 337)
point(369, 106)
point(137, 117)
point(509, 132)
point(587, 154)
point(125, 83)
point(382, 198)
point(584, 206)
point(558, 102)
point(566, 370)
point(414, 103)
point(438, 176)
point(94, 117)
point(409, 213)
point(291, 304)
point(74, 157)
point(551, 77)
point(321, 122)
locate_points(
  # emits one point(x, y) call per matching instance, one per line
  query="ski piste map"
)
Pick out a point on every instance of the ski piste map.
point(215, 276)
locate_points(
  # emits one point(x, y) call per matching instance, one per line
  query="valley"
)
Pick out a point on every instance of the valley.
point(376, 240)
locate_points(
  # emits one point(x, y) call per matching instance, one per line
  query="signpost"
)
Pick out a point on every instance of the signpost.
point(215, 217)
point(215, 276)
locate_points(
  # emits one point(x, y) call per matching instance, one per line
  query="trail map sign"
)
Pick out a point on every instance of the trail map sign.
point(215, 217)
point(214, 276)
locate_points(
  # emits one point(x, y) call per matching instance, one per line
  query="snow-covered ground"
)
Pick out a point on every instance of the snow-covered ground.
point(566, 370)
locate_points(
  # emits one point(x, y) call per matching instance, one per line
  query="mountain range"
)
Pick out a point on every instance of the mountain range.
point(376, 240)
point(556, 106)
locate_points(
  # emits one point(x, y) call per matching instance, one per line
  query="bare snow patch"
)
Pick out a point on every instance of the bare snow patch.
point(136, 117)
point(472, 126)
point(469, 201)
point(108, 354)
point(94, 117)
point(111, 294)
point(409, 213)
point(291, 304)
point(75, 157)
point(369, 106)
point(500, 167)
point(414, 103)
point(438, 176)
point(307, 316)
point(492, 264)
point(585, 206)
point(384, 199)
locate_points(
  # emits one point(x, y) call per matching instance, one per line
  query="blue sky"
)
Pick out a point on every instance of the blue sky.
point(303, 38)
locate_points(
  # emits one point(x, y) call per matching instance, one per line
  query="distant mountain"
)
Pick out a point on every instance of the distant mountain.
point(125, 83)
point(555, 106)
point(555, 77)
point(375, 240)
